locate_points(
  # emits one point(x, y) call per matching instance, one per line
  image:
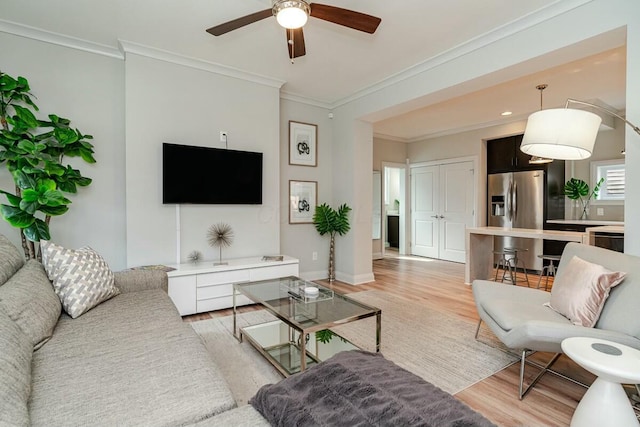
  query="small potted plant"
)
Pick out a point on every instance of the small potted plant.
point(328, 220)
point(576, 189)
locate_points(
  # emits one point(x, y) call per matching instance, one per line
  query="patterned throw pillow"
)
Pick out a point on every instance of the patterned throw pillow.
point(81, 277)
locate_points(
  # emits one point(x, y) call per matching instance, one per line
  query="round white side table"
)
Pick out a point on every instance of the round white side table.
point(605, 403)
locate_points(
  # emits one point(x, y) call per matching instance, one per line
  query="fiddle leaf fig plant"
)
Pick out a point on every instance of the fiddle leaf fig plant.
point(329, 221)
point(577, 189)
point(33, 152)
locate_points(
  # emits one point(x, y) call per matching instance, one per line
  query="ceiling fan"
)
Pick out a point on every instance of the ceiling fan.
point(293, 14)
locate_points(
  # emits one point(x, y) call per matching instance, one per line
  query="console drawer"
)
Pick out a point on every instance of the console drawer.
point(212, 304)
point(233, 276)
point(214, 291)
point(264, 273)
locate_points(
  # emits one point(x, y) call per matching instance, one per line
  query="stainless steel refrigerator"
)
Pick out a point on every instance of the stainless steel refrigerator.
point(516, 200)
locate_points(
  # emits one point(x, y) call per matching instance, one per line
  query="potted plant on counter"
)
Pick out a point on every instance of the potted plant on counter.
point(328, 220)
point(576, 189)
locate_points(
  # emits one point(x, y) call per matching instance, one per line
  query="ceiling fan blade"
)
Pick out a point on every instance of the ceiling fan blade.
point(221, 29)
point(295, 43)
point(345, 17)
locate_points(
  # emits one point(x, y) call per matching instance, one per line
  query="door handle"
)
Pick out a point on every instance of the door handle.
point(434, 216)
point(515, 202)
point(441, 216)
point(509, 204)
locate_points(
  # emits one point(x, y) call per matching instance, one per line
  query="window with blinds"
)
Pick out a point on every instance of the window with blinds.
point(613, 172)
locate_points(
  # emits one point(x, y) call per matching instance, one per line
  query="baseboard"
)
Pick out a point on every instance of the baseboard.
point(377, 255)
point(314, 275)
point(355, 279)
point(349, 279)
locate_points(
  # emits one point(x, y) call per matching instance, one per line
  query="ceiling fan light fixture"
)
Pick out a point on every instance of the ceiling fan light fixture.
point(291, 14)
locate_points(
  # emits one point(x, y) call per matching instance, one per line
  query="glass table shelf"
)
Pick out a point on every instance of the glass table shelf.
point(280, 344)
point(300, 316)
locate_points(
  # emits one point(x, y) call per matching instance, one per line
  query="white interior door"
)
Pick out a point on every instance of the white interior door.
point(456, 209)
point(424, 211)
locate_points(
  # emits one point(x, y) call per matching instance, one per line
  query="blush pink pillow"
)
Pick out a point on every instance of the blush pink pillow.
point(581, 289)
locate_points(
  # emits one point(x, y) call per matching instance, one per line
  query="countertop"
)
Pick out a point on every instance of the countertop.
point(584, 222)
point(612, 229)
point(530, 233)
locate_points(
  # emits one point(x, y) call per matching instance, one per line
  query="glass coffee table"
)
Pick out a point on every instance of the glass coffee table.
point(305, 311)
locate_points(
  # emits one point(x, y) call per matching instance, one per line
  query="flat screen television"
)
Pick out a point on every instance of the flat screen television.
point(205, 175)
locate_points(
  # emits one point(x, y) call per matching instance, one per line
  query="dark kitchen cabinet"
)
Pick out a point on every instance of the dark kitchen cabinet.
point(393, 231)
point(504, 155)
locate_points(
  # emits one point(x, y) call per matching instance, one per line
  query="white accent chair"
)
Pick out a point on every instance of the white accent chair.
point(517, 316)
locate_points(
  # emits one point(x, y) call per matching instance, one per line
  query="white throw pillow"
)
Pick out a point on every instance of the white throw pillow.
point(581, 289)
point(81, 277)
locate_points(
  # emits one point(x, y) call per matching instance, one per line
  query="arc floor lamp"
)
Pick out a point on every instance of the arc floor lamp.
point(565, 133)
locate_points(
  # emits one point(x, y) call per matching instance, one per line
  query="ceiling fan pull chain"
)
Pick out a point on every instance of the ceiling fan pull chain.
point(291, 44)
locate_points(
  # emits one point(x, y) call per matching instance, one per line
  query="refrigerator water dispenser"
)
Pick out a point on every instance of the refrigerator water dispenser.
point(497, 206)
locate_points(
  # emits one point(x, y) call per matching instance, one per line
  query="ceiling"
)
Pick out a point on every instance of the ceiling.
point(339, 62)
point(598, 78)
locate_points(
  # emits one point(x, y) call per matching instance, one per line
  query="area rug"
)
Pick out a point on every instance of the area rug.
point(437, 346)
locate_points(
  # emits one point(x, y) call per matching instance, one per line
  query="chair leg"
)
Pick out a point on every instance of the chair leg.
point(522, 393)
point(517, 261)
point(544, 268)
point(478, 328)
point(511, 268)
point(526, 276)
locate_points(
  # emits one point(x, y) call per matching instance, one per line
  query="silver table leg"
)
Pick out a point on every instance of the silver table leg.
point(378, 330)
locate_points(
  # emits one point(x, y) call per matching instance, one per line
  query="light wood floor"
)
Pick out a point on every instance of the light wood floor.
point(440, 285)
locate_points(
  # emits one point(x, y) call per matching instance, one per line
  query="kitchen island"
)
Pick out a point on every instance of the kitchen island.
point(479, 246)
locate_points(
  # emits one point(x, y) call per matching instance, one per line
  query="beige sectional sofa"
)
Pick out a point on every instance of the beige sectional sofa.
point(129, 361)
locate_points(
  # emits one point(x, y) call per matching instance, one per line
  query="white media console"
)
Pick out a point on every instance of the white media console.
point(201, 287)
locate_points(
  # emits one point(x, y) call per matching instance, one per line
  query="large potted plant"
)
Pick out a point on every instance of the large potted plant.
point(329, 221)
point(576, 189)
point(33, 152)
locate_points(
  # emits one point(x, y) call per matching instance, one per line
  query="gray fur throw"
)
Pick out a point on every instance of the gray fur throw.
point(358, 388)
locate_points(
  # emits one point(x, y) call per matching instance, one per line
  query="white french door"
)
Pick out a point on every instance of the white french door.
point(424, 211)
point(442, 206)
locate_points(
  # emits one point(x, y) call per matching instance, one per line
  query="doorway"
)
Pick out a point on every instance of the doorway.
point(394, 208)
point(442, 207)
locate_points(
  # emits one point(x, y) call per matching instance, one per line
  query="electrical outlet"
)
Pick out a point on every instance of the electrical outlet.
point(314, 256)
point(600, 211)
point(223, 136)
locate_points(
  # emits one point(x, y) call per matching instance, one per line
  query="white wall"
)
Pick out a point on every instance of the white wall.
point(302, 240)
point(167, 102)
point(88, 89)
point(632, 199)
point(352, 159)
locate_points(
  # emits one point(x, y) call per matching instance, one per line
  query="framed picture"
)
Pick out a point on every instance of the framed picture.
point(303, 144)
point(302, 201)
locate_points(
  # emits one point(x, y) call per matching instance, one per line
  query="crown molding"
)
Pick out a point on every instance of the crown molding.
point(470, 128)
point(304, 100)
point(525, 22)
point(125, 47)
point(391, 138)
point(128, 47)
point(39, 34)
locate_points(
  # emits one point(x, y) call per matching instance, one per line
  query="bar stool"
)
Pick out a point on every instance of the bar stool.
point(547, 270)
point(509, 262)
point(504, 264)
point(516, 262)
